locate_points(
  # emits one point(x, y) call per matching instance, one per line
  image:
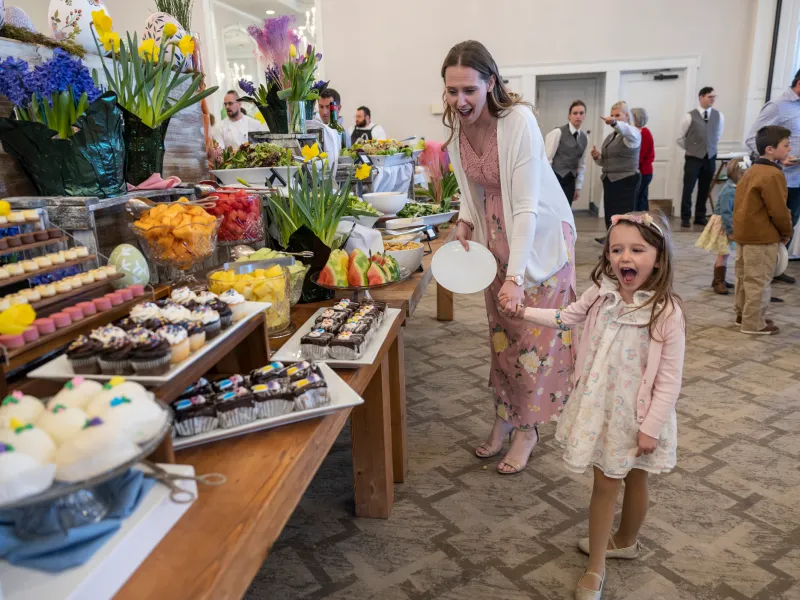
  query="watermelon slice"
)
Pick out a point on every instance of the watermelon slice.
point(335, 271)
point(394, 268)
point(376, 275)
point(357, 268)
point(385, 268)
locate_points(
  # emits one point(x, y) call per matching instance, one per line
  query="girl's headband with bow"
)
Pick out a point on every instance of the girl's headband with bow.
point(645, 219)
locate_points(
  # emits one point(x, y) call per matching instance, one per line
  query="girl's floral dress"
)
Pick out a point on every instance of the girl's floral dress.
point(598, 426)
point(531, 370)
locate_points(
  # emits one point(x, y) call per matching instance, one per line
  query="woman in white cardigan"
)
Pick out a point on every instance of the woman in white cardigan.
point(512, 203)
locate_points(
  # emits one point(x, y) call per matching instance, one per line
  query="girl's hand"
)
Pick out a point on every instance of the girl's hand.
point(647, 444)
point(511, 296)
point(595, 154)
point(464, 234)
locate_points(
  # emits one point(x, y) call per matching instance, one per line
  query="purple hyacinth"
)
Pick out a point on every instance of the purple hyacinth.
point(15, 81)
point(275, 38)
point(62, 72)
point(247, 87)
point(319, 85)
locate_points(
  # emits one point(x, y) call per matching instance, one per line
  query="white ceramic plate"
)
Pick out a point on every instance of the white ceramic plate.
point(429, 220)
point(390, 161)
point(464, 272)
point(783, 260)
point(59, 368)
point(290, 351)
point(342, 396)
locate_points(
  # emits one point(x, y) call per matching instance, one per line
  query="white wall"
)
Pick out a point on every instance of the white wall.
point(392, 65)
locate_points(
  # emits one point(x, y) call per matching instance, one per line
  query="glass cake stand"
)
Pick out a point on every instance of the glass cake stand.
point(361, 293)
point(64, 506)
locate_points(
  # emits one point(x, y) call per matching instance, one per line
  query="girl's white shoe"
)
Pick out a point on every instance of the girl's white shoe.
point(628, 553)
point(582, 593)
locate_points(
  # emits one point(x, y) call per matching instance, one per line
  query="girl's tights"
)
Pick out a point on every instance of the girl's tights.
point(722, 260)
point(601, 517)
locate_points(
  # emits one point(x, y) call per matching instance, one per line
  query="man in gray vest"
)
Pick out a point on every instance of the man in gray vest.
point(700, 132)
point(566, 151)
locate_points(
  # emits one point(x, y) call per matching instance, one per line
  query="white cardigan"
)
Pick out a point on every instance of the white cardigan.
point(529, 187)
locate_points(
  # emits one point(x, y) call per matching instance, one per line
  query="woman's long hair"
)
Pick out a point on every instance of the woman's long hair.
point(475, 55)
point(664, 300)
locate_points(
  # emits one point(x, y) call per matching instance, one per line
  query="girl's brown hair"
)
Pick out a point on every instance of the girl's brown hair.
point(475, 55)
point(736, 169)
point(664, 299)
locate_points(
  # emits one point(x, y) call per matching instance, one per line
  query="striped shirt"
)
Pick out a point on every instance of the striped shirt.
point(783, 111)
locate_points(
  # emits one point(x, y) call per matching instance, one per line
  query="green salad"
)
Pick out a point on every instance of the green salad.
point(359, 208)
point(250, 156)
point(378, 148)
point(411, 210)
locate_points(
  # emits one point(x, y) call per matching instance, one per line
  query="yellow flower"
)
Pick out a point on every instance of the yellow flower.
point(363, 171)
point(499, 341)
point(170, 29)
point(148, 50)
point(5, 208)
point(323, 155)
point(292, 51)
point(310, 152)
point(530, 362)
point(566, 337)
point(502, 412)
point(16, 319)
point(450, 167)
point(102, 22)
point(186, 45)
point(110, 41)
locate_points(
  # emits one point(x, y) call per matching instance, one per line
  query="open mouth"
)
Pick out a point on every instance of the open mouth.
point(627, 275)
point(465, 112)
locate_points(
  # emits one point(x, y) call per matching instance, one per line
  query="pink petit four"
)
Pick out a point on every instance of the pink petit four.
point(11, 341)
point(75, 313)
point(45, 325)
point(126, 294)
point(102, 304)
point(137, 289)
point(87, 307)
point(61, 319)
point(114, 298)
point(31, 334)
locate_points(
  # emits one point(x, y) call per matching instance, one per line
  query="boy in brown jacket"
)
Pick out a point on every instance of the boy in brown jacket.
point(761, 222)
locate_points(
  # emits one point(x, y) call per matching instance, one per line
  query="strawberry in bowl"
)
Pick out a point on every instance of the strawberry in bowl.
point(241, 216)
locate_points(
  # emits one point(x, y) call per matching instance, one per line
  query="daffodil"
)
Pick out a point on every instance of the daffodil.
point(450, 167)
point(102, 22)
point(148, 50)
point(16, 319)
point(110, 41)
point(310, 152)
point(292, 51)
point(170, 29)
point(5, 208)
point(323, 155)
point(363, 171)
point(186, 45)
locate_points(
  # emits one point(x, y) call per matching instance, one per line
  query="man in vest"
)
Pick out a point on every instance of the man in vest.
point(701, 130)
point(365, 130)
point(566, 151)
point(784, 111)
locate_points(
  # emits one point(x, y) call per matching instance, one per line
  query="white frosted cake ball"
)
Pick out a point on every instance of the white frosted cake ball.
point(96, 449)
point(140, 420)
point(76, 393)
point(21, 407)
point(62, 422)
point(21, 475)
point(29, 439)
point(117, 387)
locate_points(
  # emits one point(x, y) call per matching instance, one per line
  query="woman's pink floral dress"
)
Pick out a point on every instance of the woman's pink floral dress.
point(532, 366)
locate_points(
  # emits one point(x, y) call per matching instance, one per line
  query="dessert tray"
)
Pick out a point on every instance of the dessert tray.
point(291, 350)
point(342, 396)
point(59, 368)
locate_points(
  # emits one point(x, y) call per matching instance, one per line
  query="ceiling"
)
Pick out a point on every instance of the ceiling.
point(258, 8)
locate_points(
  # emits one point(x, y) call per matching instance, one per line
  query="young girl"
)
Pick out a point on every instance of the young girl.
point(717, 237)
point(620, 419)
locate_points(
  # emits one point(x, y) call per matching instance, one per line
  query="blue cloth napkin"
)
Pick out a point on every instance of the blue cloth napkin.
point(58, 552)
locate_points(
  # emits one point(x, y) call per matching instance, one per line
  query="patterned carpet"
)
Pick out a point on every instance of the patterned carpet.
point(724, 525)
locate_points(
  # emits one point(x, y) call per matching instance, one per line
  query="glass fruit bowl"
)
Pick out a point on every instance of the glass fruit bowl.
point(261, 285)
point(179, 247)
point(241, 215)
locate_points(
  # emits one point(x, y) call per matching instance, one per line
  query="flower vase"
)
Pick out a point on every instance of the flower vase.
point(70, 19)
point(296, 116)
point(144, 148)
point(310, 104)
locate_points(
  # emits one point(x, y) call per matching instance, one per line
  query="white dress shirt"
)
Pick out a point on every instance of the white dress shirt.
point(551, 142)
point(232, 134)
point(686, 122)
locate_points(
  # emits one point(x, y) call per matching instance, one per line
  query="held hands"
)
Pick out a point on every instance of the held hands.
point(595, 154)
point(511, 297)
point(463, 234)
point(611, 121)
point(647, 444)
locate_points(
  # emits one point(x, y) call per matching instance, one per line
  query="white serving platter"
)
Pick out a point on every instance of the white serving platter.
point(390, 161)
point(59, 368)
point(111, 566)
point(342, 396)
point(428, 220)
point(290, 351)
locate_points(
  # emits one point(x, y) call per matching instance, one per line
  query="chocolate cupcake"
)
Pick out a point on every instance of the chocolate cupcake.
point(226, 385)
point(209, 319)
point(82, 355)
point(235, 408)
point(115, 353)
point(224, 311)
point(311, 392)
point(347, 346)
point(315, 344)
point(194, 415)
point(266, 373)
point(197, 334)
point(150, 353)
point(148, 315)
point(273, 399)
point(127, 324)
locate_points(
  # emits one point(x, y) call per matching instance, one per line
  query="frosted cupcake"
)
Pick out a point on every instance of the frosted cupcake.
point(182, 296)
point(82, 355)
point(235, 302)
point(197, 334)
point(95, 449)
point(17, 405)
point(175, 313)
point(62, 422)
point(29, 439)
point(146, 314)
point(178, 340)
point(21, 475)
point(150, 354)
point(114, 355)
point(205, 297)
point(140, 420)
point(209, 319)
point(76, 393)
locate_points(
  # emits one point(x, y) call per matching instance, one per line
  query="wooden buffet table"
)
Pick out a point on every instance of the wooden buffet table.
point(216, 549)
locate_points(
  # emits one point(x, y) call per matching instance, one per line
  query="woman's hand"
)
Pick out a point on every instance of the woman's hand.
point(647, 444)
point(595, 154)
point(609, 121)
point(464, 234)
point(510, 297)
